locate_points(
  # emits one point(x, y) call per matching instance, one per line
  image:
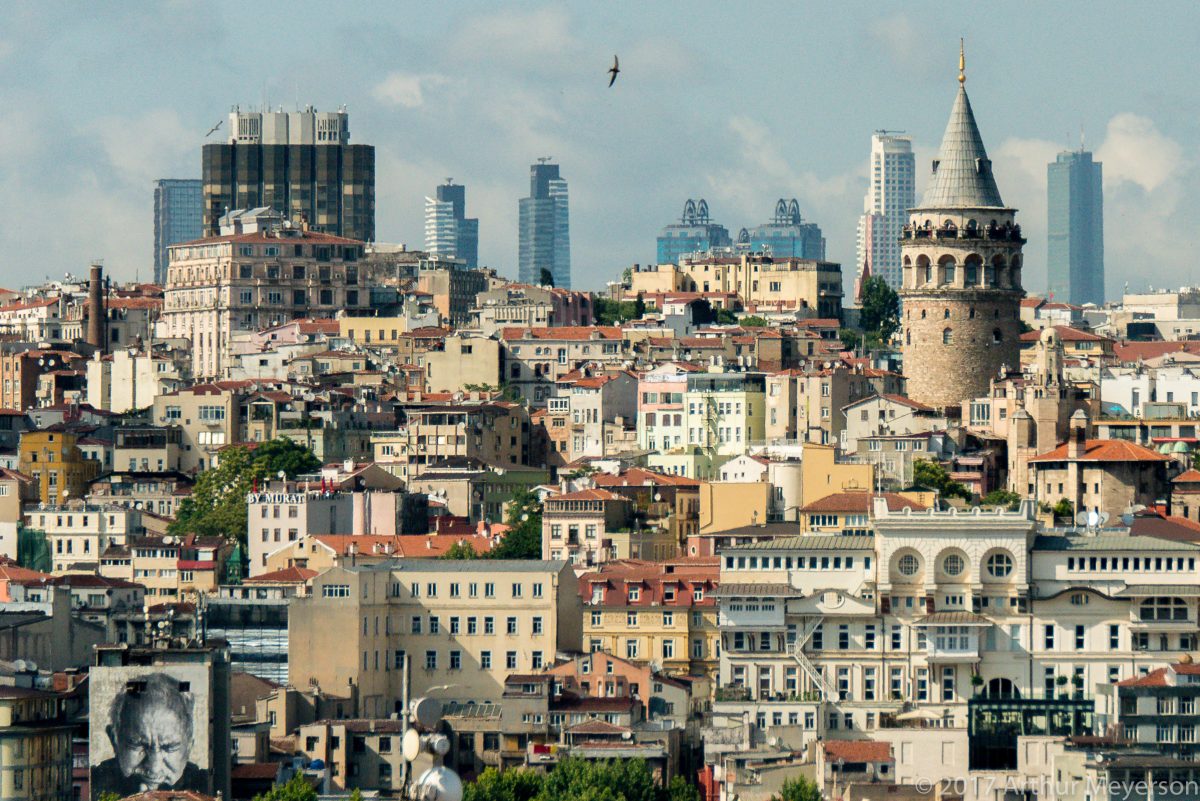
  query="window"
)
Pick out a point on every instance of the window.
point(999, 565)
point(510, 660)
point(456, 660)
point(485, 660)
point(489, 625)
point(511, 626)
point(947, 684)
point(1162, 609)
point(596, 617)
point(1049, 637)
point(431, 660)
point(631, 618)
point(908, 565)
point(537, 625)
point(335, 591)
point(631, 649)
point(953, 565)
point(1114, 637)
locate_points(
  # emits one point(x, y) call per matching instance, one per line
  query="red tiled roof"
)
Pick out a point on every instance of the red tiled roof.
point(1104, 450)
point(587, 495)
point(858, 750)
point(1066, 334)
point(1141, 351)
point(640, 477)
point(21, 305)
point(860, 502)
point(1191, 476)
point(573, 332)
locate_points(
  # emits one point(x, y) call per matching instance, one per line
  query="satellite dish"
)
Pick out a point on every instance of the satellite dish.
point(438, 784)
point(1081, 519)
point(426, 712)
point(31, 666)
point(1093, 519)
point(1104, 517)
point(410, 745)
point(19, 665)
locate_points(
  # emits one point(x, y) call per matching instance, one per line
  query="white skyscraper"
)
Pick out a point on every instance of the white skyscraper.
point(441, 230)
point(891, 194)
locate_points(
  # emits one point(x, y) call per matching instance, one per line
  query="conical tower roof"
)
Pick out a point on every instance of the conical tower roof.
point(962, 176)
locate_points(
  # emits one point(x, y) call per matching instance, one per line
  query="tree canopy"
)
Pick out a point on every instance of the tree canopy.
point(297, 788)
point(614, 312)
point(1001, 497)
point(754, 321)
point(800, 788)
point(523, 540)
point(930, 475)
point(880, 314)
point(217, 505)
point(579, 780)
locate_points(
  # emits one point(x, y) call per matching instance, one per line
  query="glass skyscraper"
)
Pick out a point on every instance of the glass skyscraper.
point(301, 164)
point(892, 192)
point(786, 236)
point(178, 217)
point(545, 231)
point(1075, 229)
point(694, 233)
point(448, 231)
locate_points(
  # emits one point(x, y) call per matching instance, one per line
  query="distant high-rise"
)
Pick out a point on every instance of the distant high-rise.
point(786, 236)
point(694, 233)
point(1075, 229)
point(892, 192)
point(301, 164)
point(178, 217)
point(448, 231)
point(545, 231)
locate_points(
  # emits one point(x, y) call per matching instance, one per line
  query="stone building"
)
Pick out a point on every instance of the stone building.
point(961, 272)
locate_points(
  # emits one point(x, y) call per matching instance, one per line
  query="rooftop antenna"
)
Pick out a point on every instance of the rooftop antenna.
point(1081, 139)
point(544, 159)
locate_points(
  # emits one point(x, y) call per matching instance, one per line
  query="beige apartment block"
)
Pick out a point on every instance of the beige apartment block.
point(462, 625)
point(465, 363)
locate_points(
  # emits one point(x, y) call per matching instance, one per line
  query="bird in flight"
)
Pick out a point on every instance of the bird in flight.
point(613, 70)
point(213, 129)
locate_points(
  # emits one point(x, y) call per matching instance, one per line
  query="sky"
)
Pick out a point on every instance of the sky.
point(740, 104)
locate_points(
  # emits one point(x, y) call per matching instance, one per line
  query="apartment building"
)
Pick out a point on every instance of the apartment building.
point(654, 613)
point(535, 358)
point(592, 403)
point(360, 754)
point(257, 273)
point(34, 319)
point(466, 624)
point(809, 405)
point(170, 568)
point(78, 533)
point(286, 514)
point(24, 370)
point(130, 378)
point(157, 492)
point(495, 432)
point(660, 412)
point(462, 364)
point(209, 417)
point(36, 733)
point(592, 526)
point(53, 459)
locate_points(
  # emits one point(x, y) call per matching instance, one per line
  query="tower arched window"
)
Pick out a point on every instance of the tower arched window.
point(997, 336)
point(908, 337)
point(947, 336)
point(971, 313)
point(945, 314)
point(922, 314)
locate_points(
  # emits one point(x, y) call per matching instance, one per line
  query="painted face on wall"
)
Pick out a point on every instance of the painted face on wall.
point(152, 741)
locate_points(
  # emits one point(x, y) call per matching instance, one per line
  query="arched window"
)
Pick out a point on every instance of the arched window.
point(947, 336)
point(908, 565)
point(922, 314)
point(946, 314)
point(1163, 608)
point(971, 273)
point(999, 565)
point(997, 336)
point(971, 314)
point(953, 565)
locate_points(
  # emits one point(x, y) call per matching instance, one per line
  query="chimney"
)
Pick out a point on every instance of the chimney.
point(1077, 441)
point(96, 321)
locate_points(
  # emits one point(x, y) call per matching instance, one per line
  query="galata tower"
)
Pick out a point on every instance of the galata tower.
point(961, 286)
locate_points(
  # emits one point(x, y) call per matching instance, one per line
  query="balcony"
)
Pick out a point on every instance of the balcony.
point(953, 644)
point(764, 614)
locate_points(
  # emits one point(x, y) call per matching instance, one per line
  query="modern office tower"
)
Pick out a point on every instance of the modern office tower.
point(448, 231)
point(301, 164)
point(178, 217)
point(545, 231)
point(891, 194)
point(1075, 229)
point(786, 236)
point(694, 233)
point(961, 268)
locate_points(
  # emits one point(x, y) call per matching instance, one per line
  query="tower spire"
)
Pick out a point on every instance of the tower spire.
point(962, 63)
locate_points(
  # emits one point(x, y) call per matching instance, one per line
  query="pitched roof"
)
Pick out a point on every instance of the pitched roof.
point(1103, 450)
point(1191, 476)
point(640, 477)
point(587, 495)
point(861, 502)
point(288, 575)
point(962, 176)
point(580, 332)
point(1067, 334)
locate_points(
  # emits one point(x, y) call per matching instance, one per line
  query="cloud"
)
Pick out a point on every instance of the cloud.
point(524, 38)
point(908, 46)
point(405, 89)
point(146, 147)
point(1135, 151)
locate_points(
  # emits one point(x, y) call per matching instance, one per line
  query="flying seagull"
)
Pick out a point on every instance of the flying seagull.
point(616, 68)
point(213, 129)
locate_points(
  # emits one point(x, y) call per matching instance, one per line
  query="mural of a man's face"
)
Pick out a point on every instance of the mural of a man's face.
point(152, 738)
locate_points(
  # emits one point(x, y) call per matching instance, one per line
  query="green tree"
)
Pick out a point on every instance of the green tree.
point(1064, 508)
point(296, 789)
point(217, 506)
point(1001, 497)
point(932, 476)
point(523, 540)
point(851, 339)
point(725, 317)
point(680, 790)
point(109, 795)
point(460, 550)
point(519, 784)
point(754, 321)
point(613, 312)
point(800, 788)
point(880, 315)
